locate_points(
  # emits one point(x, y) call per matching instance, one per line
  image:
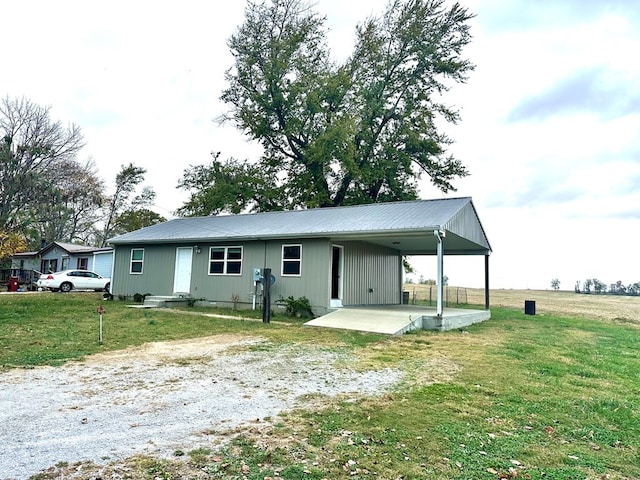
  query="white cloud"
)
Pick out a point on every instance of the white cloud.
point(548, 130)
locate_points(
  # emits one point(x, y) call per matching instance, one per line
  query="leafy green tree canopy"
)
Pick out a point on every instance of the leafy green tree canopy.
point(136, 219)
point(361, 131)
point(126, 209)
point(229, 185)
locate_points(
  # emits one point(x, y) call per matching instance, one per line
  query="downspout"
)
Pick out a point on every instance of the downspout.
point(439, 234)
point(113, 269)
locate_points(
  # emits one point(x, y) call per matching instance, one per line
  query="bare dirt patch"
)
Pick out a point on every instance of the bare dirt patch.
point(161, 397)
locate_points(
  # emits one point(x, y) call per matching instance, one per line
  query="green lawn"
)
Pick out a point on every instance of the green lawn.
point(531, 397)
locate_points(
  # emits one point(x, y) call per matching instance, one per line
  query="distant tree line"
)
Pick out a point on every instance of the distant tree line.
point(428, 281)
point(593, 285)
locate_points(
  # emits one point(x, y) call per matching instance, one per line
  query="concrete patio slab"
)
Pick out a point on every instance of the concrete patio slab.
point(398, 319)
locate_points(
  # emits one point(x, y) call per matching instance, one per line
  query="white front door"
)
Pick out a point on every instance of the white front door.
point(182, 275)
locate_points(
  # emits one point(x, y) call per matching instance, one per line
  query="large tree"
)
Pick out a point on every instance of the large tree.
point(72, 203)
point(32, 147)
point(333, 134)
point(127, 209)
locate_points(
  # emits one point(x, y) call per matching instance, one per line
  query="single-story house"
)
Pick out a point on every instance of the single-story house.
point(58, 256)
point(341, 256)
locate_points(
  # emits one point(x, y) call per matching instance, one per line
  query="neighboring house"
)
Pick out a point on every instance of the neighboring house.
point(342, 256)
point(58, 256)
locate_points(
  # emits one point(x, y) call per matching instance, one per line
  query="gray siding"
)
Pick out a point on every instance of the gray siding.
point(222, 288)
point(313, 281)
point(159, 264)
point(465, 223)
point(372, 275)
point(157, 276)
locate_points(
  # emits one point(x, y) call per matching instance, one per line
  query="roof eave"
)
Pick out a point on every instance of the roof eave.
point(249, 238)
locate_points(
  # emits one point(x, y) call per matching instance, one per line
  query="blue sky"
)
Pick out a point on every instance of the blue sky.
point(549, 130)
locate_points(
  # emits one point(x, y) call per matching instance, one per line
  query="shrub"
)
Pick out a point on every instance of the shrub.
point(297, 307)
point(235, 299)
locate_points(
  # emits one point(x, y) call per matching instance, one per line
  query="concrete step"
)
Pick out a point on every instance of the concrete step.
point(166, 301)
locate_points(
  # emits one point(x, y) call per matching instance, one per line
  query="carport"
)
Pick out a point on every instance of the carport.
point(435, 228)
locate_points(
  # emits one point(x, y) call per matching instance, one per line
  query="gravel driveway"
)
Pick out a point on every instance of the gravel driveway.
point(161, 397)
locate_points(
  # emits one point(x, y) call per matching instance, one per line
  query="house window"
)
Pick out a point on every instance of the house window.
point(225, 261)
point(49, 265)
point(291, 260)
point(137, 260)
point(83, 264)
point(65, 263)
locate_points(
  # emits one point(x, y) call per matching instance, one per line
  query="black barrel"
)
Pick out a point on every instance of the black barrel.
point(529, 307)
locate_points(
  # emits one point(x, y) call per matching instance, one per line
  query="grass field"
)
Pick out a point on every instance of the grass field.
point(548, 302)
point(550, 396)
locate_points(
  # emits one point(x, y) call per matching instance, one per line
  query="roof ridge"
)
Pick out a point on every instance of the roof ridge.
point(337, 207)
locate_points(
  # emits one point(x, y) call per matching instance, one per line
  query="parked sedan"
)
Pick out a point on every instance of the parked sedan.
point(68, 280)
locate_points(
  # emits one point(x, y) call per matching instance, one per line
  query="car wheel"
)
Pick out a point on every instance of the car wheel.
point(107, 287)
point(66, 287)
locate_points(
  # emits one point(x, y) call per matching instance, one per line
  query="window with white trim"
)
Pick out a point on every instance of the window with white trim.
point(137, 261)
point(225, 261)
point(291, 260)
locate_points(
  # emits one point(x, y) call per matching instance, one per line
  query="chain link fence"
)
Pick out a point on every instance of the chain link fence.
point(428, 295)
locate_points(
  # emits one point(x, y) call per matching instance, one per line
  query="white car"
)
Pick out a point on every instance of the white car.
point(68, 280)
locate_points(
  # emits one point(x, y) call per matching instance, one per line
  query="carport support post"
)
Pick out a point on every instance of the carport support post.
point(486, 282)
point(266, 295)
point(439, 234)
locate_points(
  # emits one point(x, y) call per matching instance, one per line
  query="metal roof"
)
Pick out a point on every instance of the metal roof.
point(405, 226)
point(71, 248)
